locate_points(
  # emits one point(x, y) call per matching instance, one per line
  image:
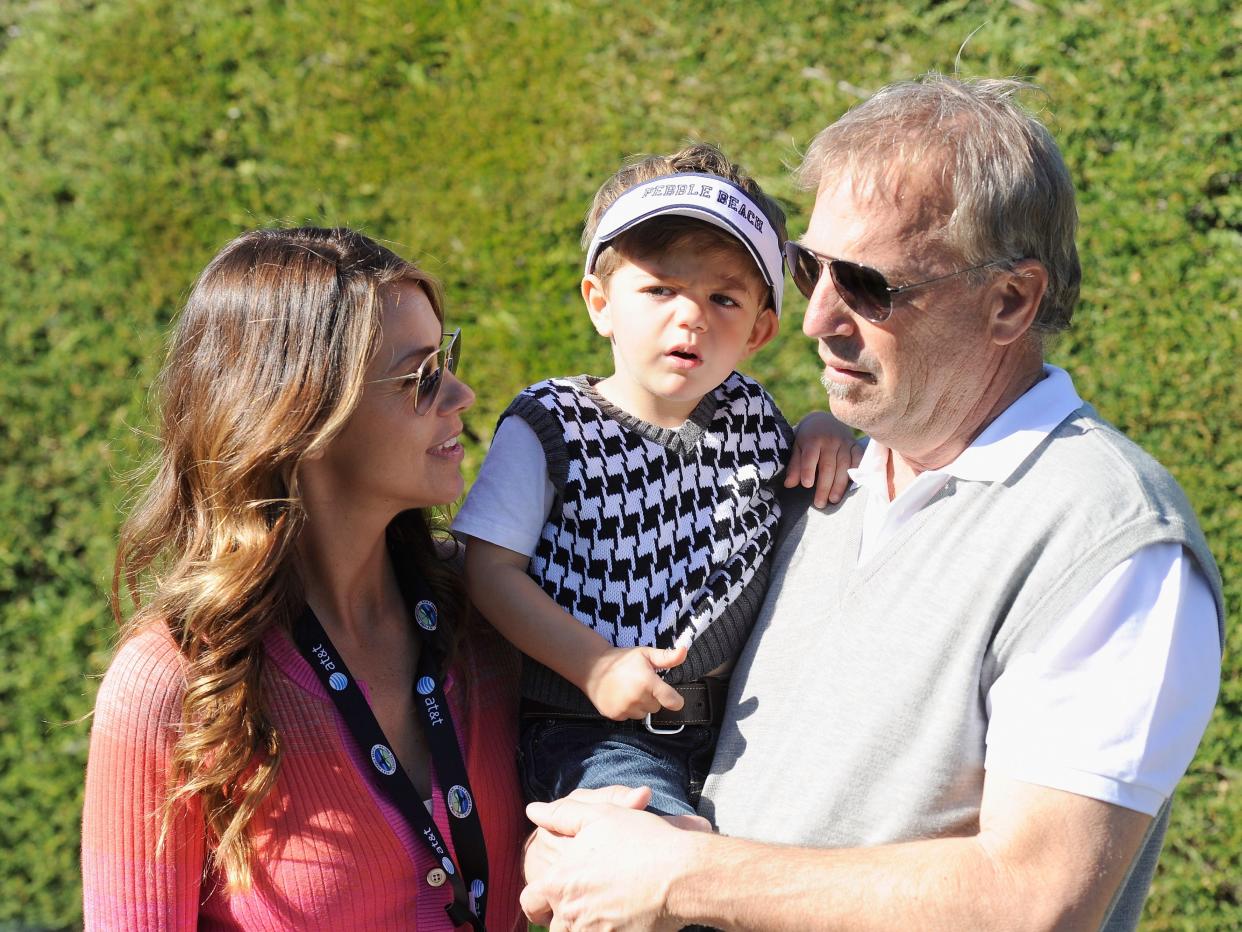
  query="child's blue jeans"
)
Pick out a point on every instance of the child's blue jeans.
point(559, 756)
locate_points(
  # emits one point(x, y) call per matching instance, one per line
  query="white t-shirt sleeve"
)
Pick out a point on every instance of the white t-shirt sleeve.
point(509, 502)
point(1113, 703)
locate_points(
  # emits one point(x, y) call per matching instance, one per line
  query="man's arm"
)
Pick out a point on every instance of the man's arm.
point(1042, 859)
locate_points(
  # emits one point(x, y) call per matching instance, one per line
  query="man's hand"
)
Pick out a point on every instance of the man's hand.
point(1043, 859)
point(624, 682)
point(823, 450)
point(596, 862)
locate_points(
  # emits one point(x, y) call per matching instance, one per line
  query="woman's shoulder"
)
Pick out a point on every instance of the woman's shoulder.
point(146, 679)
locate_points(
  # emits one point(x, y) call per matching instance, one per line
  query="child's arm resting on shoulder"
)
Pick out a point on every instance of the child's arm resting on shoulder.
point(823, 450)
point(621, 682)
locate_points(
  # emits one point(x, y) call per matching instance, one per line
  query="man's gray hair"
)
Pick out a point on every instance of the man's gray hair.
point(1012, 193)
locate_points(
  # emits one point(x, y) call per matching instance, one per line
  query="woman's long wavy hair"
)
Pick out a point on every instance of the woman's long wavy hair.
point(266, 365)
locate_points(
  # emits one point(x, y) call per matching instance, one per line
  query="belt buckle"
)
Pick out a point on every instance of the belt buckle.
point(656, 730)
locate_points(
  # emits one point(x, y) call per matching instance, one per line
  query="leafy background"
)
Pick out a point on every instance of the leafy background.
point(137, 137)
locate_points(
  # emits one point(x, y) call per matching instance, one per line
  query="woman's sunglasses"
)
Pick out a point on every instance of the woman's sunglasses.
point(424, 383)
point(864, 290)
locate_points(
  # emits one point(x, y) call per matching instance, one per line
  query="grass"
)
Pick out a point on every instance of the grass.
point(139, 136)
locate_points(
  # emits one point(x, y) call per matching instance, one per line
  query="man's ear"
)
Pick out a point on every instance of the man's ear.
point(1014, 300)
point(766, 326)
point(595, 296)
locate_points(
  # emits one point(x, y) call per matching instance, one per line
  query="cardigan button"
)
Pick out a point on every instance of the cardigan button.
point(436, 877)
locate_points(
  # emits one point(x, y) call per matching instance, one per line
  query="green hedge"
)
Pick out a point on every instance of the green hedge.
point(137, 137)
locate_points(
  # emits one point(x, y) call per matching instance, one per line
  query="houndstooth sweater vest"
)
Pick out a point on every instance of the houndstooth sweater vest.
point(656, 537)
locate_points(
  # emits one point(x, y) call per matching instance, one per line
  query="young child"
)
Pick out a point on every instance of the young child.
point(619, 529)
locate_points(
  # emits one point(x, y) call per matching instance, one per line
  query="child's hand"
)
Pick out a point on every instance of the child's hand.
point(624, 684)
point(823, 450)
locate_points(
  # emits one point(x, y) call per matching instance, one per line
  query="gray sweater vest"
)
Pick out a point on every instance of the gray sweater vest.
point(857, 710)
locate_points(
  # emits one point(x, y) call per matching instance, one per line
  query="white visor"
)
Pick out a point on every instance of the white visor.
point(703, 197)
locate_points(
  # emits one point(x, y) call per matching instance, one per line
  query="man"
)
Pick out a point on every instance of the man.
point(976, 681)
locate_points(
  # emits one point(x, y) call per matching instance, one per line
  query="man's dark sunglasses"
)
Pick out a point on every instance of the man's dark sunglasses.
point(424, 383)
point(864, 290)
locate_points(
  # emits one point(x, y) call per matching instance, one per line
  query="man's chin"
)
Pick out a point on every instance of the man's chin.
point(847, 404)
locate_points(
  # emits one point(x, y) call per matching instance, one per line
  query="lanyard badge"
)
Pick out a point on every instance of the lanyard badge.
point(469, 878)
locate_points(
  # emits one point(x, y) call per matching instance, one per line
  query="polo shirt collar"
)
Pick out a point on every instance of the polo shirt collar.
point(1006, 443)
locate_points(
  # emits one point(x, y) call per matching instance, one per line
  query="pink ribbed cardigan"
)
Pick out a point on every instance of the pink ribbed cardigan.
point(330, 853)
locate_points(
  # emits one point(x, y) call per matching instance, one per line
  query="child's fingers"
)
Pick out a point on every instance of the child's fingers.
point(661, 692)
point(664, 659)
point(644, 704)
point(800, 459)
point(856, 453)
point(668, 697)
point(635, 708)
point(811, 454)
point(845, 460)
point(825, 476)
point(823, 488)
point(791, 468)
point(812, 457)
point(833, 477)
point(654, 702)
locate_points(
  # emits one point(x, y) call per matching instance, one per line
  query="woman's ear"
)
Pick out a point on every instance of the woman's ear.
point(595, 297)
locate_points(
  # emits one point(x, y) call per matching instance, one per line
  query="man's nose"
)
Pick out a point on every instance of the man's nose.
point(826, 314)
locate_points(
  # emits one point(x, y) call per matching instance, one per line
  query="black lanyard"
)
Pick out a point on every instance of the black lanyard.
point(386, 773)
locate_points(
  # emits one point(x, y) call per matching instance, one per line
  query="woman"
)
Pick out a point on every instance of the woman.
point(297, 731)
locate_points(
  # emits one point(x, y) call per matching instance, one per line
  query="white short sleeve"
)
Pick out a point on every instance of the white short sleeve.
point(509, 502)
point(1112, 705)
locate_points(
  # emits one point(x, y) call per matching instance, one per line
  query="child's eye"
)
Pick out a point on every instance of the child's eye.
point(725, 300)
point(659, 291)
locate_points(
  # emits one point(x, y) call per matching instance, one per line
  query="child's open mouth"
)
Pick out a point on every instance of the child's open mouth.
point(683, 357)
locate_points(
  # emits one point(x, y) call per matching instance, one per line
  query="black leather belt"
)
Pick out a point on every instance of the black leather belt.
point(705, 704)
